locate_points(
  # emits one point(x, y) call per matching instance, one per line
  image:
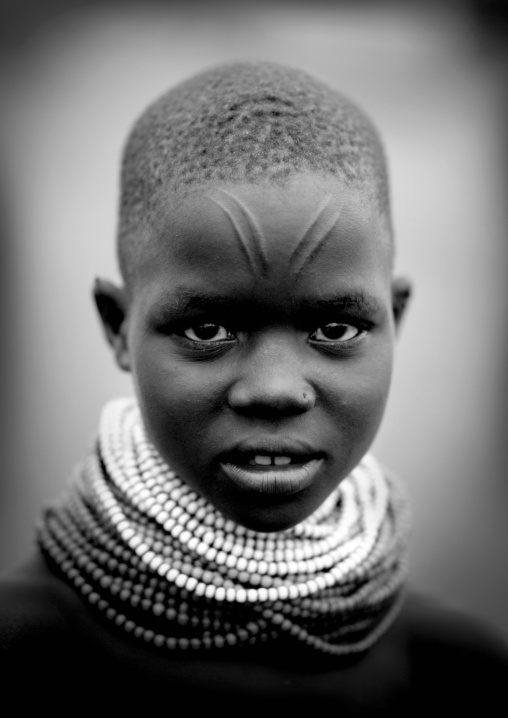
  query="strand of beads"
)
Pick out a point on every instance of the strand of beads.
point(163, 564)
point(64, 537)
point(201, 540)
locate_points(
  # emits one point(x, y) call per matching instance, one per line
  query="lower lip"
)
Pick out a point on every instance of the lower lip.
point(274, 480)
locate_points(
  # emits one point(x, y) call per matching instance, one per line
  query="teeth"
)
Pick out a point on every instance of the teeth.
point(262, 460)
point(267, 461)
point(282, 460)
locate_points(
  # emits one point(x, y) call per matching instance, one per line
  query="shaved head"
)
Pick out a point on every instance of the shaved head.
point(248, 122)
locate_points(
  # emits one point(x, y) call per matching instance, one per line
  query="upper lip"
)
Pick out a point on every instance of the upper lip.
point(295, 448)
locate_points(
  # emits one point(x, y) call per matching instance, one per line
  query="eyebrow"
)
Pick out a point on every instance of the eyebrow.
point(357, 301)
point(188, 301)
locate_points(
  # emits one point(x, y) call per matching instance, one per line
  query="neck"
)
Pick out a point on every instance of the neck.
point(168, 568)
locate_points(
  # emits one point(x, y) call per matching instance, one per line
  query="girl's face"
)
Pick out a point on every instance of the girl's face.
point(260, 332)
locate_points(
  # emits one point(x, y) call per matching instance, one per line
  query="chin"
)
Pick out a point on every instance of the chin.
point(271, 518)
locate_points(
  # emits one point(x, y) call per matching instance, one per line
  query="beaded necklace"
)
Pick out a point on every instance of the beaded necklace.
point(164, 565)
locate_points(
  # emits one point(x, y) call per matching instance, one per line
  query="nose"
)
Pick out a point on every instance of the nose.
point(271, 382)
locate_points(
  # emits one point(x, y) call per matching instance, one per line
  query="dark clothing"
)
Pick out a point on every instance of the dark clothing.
point(57, 654)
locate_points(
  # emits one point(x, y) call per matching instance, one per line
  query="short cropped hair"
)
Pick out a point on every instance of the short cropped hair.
point(245, 122)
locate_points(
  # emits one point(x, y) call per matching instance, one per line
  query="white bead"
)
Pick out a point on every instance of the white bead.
point(262, 567)
point(321, 582)
point(303, 590)
point(172, 575)
point(220, 558)
point(351, 541)
point(141, 549)
point(283, 592)
point(176, 531)
point(242, 563)
point(231, 561)
point(181, 580)
point(155, 562)
point(272, 594)
point(293, 592)
point(220, 593)
point(193, 543)
point(191, 583)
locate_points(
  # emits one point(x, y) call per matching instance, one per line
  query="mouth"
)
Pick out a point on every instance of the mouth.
point(278, 470)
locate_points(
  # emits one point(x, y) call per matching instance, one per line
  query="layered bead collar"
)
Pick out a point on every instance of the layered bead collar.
point(162, 564)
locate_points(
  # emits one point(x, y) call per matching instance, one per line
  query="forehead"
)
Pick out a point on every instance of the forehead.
point(303, 236)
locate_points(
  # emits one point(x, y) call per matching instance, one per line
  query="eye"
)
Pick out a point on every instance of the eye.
point(336, 332)
point(207, 333)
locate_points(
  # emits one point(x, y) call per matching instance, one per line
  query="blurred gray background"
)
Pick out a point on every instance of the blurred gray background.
point(434, 77)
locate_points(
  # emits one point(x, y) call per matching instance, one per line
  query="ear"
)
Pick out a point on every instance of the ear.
point(111, 303)
point(401, 293)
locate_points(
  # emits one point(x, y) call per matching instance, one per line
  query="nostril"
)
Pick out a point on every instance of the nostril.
point(270, 400)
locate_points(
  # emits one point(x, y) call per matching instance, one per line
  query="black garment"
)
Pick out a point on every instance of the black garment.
point(57, 654)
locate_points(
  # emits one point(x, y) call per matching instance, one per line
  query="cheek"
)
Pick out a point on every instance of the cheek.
point(177, 398)
point(358, 398)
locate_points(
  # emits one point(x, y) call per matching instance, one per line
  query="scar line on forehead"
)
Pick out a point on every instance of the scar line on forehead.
point(247, 231)
point(315, 236)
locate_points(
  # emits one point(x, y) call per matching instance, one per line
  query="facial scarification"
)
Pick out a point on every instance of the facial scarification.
point(262, 331)
point(315, 236)
point(247, 230)
point(253, 243)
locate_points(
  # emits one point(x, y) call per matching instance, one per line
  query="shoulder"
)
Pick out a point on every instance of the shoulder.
point(35, 607)
point(452, 656)
point(433, 625)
